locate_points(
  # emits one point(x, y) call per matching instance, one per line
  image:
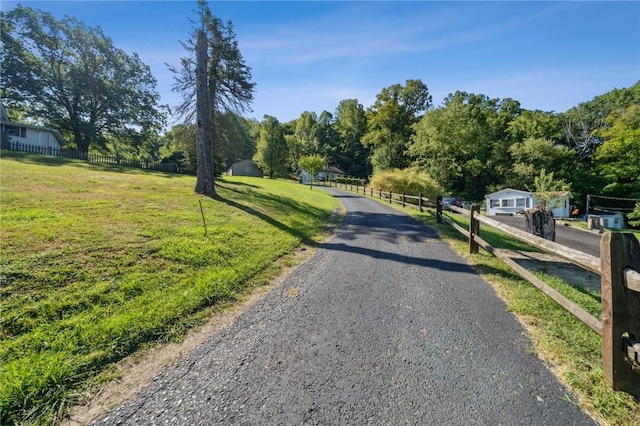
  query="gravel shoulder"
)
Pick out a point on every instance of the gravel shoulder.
point(385, 324)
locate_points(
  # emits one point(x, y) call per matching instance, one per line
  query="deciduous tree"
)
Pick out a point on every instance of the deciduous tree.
point(272, 152)
point(351, 125)
point(311, 164)
point(463, 144)
point(390, 121)
point(617, 160)
point(71, 77)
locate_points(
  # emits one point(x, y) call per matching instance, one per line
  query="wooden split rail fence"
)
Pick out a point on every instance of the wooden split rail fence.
point(415, 201)
point(618, 267)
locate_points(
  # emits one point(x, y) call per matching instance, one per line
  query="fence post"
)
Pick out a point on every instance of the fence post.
point(390, 196)
point(439, 209)
point(474, 228)
point(403, 199)
point(380, 193)
point(620, 260)
point(420, 202)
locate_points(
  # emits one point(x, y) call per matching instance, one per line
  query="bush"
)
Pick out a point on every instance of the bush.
point(408, 181)
point(634, 216)
point(350, 181)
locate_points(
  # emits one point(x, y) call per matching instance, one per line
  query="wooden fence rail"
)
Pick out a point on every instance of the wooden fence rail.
point(418, 202)
point(618, 266)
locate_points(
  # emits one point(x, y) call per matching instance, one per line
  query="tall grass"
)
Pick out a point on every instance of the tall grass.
point(98, 261)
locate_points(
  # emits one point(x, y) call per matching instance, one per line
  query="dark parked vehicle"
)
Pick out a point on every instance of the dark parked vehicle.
point(451, 200)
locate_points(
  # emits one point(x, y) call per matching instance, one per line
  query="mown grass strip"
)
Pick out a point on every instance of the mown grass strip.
point(100, 260)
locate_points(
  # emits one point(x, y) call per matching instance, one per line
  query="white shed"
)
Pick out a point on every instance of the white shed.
point(510, 201)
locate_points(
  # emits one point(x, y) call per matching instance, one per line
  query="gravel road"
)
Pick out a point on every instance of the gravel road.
point(385, 324)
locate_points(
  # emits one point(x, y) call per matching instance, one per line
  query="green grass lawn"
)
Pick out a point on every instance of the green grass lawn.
point(98, 261)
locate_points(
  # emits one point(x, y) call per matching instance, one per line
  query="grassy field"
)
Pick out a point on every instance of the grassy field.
point(99, 261)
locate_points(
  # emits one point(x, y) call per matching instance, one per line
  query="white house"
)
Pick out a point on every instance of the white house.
point(326, 173)
point(25, 134)
point(510, 201)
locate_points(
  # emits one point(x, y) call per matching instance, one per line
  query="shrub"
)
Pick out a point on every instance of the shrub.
point(408, 181)
point(350, 180)
point(634, 216)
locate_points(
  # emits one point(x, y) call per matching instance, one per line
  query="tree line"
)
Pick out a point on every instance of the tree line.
point(469, 145)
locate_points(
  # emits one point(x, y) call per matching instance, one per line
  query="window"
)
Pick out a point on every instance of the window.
point(520, 202)
point(16, 131)
point(509, 202)
point(528, 202)
point(13, 131)
point(494, 203)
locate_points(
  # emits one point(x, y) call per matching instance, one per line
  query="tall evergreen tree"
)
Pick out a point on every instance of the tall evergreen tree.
point(228, 84)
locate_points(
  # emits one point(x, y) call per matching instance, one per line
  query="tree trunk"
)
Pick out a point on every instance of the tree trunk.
point(540, 222)
point(204, 174)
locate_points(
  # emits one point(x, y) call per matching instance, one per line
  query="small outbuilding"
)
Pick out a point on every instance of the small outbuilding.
point(510, 201)
point(245, 167)
point(601, 220)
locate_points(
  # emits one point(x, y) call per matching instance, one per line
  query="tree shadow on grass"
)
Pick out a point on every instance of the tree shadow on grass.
point(235, 183)
point(52, 161)
point(301, 235)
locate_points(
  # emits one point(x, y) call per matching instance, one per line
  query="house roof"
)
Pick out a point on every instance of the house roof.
point(509, 191)
point(4, 119)
point(512, 191)
point(332, 169)
point(244, 160)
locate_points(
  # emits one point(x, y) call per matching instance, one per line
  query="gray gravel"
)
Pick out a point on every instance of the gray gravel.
point(388, 326)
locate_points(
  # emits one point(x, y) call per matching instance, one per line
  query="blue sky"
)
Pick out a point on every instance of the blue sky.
point(308, 56)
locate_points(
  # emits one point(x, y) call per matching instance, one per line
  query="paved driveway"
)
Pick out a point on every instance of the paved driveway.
point(584, 241)
point(384, 325)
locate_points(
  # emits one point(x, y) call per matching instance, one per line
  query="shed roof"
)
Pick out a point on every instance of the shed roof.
point(332, 169)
